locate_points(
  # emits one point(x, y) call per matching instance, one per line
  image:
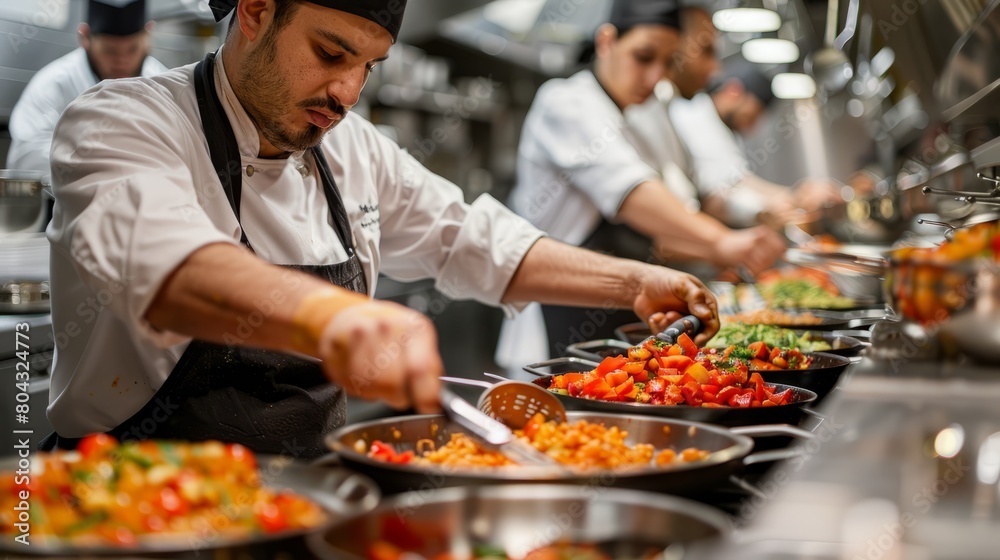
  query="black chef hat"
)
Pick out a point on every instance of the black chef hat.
point(387, 13)
point(116, 17)
point(626, 14)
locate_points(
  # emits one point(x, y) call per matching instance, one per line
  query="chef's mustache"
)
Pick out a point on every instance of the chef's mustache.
point(331, 104)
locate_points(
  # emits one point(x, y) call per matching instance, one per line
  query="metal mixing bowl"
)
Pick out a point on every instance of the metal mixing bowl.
point(22, 203)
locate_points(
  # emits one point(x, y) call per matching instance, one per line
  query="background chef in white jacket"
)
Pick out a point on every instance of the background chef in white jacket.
point(226, 214)
point(683, 122)
point(581, 178)
point(114, 43)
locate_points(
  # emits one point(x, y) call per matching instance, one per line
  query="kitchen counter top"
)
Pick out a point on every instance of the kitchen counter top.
point(907, 467)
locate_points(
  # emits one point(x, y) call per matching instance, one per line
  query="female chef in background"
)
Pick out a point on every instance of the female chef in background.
point(582, 180)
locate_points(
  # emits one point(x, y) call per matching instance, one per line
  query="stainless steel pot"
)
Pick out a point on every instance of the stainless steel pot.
point(22, 201)
point(519, 519)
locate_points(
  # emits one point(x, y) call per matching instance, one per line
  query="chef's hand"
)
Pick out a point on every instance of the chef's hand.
point(812, 195)
point(756, 249)
point(383, 350)
point(666, 295)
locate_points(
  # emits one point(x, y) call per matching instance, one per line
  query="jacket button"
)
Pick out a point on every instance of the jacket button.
point(250, 171)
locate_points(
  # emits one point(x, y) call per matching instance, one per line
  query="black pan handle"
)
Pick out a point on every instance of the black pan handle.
point(534, 369)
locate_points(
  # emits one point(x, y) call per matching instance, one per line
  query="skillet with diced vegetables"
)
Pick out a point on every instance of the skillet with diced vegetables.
point(678, 374)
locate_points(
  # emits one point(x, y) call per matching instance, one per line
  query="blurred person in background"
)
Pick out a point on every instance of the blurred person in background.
point(684, 124)
point(581, 178)
point(114, 43)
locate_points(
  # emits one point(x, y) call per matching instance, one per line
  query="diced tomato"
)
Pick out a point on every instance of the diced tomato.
point(172, 503)
point(687, 345)
point(708, 397)
point(775, 352)
point(673, 395)
point(674, 350)
point(726, 393)
point(655, 386)
point(741, 401)
point(631, 395)
point(559, 382)
point(760, 365)
point(381, 451)
point(670, 374)
point(783, 397)
point(616, 378)
point(679, 363)
point(708, 388)
point(95, 444)
point(641, 377)
point(596, 388)
point(759, 350)
point(610, 364)
point(780, 362)
point(625, 387)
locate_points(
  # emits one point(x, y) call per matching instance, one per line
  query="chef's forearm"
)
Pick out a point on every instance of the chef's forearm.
point(651, 209)
point(221, 293)
point(559, 274)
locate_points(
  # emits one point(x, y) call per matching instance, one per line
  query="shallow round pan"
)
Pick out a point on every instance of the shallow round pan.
point(339, 492)
point(519, 519)
point(730, 451)
point(820, 377)
point(635, 333)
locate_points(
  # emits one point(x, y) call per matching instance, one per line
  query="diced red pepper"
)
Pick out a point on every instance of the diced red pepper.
point(726, 393)
point(687, 345)
point(759, 350)
point(616, 378)
point(783, 397)
point(741, 401)
point(610, 364)
point(680, 363)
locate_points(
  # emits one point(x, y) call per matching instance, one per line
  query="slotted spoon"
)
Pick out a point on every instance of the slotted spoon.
point(512, 402)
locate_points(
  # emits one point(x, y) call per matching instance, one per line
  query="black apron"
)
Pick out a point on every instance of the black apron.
point(268, 401)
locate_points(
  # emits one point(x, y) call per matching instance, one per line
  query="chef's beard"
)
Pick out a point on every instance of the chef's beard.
point(265, 92)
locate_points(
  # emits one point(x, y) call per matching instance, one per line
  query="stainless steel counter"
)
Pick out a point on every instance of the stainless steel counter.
point(908, 467)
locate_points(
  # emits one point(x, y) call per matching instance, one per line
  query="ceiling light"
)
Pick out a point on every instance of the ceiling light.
point(770, 51)
point(747, 20)
point(793, 86)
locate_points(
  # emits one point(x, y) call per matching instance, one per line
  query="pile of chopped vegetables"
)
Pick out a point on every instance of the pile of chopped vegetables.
point(582, 444)
point(739, 334)
point(107, 494)
point(678, 374)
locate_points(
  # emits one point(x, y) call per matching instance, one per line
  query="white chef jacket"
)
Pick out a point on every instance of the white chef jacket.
point(577, 162)
point(718, 158)
point(46, 96)
point(659, 144)
point(137, 193)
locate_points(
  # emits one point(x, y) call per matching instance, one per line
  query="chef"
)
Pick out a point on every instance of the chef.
point(582, 179)
point(219, 230)
point(114, 43)
point(681, 122)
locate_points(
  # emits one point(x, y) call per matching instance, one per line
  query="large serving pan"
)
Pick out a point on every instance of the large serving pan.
point(730, 452)
point(519, 519)
point(635, 333)
point(820, 378)
point(341, 494)
point(791, 413)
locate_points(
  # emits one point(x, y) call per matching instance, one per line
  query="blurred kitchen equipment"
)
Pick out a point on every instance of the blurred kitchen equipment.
point(24, 297)
point(492, 433)
point(514, 403)
point(519, 519)
point(22, 202)
point(829, 66)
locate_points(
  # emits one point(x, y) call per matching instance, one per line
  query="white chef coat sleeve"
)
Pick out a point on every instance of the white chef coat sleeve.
point(717, 156)
point(127, 211)
point(593, 154)
point(428, 231)
point(32, 123)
